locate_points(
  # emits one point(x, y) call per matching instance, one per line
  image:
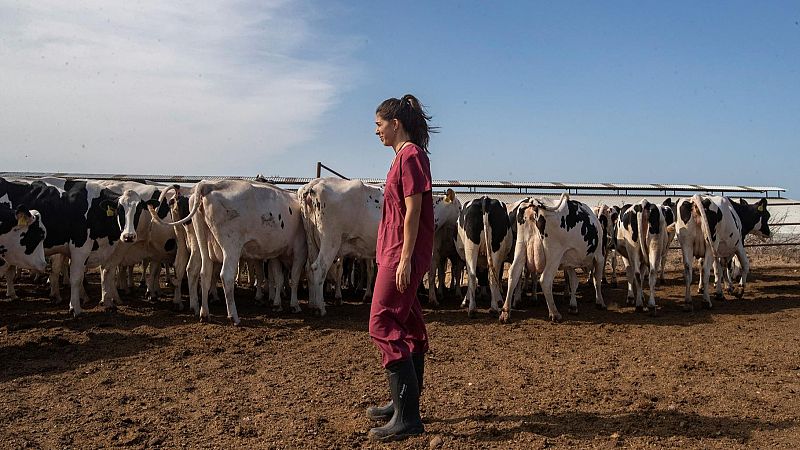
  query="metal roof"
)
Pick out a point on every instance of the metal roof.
point(524, 187)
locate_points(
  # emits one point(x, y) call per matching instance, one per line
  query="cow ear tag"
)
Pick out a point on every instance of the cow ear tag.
point(22, 221)
point(110, 212)
point(760, 208)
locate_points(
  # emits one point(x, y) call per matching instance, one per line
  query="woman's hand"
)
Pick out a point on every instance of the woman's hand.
point(403, 275)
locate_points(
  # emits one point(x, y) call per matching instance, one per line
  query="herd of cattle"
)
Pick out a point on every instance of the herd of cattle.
point(212, 229)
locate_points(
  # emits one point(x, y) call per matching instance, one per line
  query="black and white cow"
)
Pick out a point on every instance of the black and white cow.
point(568, 236)
point(709, 227)
point(608, 216)
point(235, 219)
point(80, 218)
point(446, 209)
point(755, 219)
point(21, 239)
point(669, 211)
point(642, 240)
point(484, 237)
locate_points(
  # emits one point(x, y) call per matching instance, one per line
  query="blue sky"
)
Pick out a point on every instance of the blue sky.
point(665, 92)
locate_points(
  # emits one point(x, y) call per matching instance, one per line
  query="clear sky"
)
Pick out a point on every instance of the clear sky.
point(639, 91)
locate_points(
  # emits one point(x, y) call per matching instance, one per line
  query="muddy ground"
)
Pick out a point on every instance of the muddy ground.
point(148, 377)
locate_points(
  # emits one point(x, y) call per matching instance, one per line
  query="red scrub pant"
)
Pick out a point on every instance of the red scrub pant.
point(396, 325)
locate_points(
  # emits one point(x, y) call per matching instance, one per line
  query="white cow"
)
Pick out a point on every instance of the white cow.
point(445, 219)
point(568, 236)
point(341, 219)
point(234, 219)
point(22, 235)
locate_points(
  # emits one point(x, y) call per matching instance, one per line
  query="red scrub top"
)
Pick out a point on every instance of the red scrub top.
point(410, 174)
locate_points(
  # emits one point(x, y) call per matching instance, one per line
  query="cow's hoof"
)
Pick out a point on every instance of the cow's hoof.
point(639, 308)
point(688, 307)
point(471, 313)
point(573, 310)
point(235, 323)
point(739, 294)
point(494, 313)
point(505, 317)
point(719, 296)
point(111, 309)
point(205, 319)
point(653, 311)
point(601, 306)
point(629, 301)
point(706, 305)
point(296, 309)
point(277, 309)
point(556, 318)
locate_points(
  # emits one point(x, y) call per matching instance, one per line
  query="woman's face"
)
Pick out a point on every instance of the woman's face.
point(386, 130)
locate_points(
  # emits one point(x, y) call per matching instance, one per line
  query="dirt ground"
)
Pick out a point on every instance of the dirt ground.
point(148, 377)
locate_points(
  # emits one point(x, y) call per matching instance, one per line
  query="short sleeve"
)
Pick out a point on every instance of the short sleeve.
point(415, 173)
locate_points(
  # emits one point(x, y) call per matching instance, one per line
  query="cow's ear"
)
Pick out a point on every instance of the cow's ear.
point(110, 207)
point(450, 195)
point(152, 203)
point(667, 202)
point(637, 208)
point(761, 205)
point(24, 216)
point(742, 202)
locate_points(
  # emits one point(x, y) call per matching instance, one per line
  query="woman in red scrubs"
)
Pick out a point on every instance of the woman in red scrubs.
point(405, 245)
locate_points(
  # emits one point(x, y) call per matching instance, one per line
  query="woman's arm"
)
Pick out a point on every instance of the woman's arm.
point(410, 230)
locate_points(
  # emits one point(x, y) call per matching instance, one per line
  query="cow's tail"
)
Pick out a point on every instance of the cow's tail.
point(198, 195)
point(308, 213)
point(644, 221)
point(487, 236)
point(698, 204)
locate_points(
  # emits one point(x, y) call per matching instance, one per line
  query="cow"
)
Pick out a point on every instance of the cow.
point(141, 238)
point(341, 219)
point(21, 240)
point(484, 235)
point(642, 240)
point(668, 210)
point(568, 236)
point(446, 209)
point(233, 219)
point(709, 227)
point(80, 218)
point(608, 216)
point(755, 219)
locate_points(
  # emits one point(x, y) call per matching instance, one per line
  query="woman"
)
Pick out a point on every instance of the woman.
point(405, 245)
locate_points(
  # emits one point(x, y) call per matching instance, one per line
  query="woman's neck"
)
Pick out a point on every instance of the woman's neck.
point(400, 144)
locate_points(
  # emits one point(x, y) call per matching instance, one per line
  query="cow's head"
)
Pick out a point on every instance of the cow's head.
point(446, 209)
point(23, 244)
point(759, 210)
point(129, 209)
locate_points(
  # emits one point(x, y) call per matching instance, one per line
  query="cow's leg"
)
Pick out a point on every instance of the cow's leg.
point(432, 278)
point(548, 275)
point(655, 265)
point(108, 283)
point(11, 274)
point(708, 261)
point(700, 287)
point(193, 274)
point(471, 254)
point(337, 285)
point(494, 285)
point(230, 267)
point(599, 267)
point(56, 272)
point(371, 279)
point(77, 270)
point(726, 275)
point(122, 279)
point(613, 256)
point(181, 261)
point(745, 262)
point(717, 266)
point(319, 270)
point(629, 271)
point(572, 284)
point(514, 276)
point(275, 283)
point(255, 277)
point(688, 259)
point(638, 265)
point(298, 265)
point(153, 288)
point(146, 264)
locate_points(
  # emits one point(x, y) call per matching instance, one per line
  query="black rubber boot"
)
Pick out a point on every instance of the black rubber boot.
point(385, 412)
point(405, 421)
